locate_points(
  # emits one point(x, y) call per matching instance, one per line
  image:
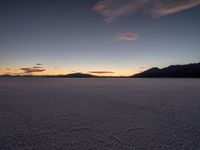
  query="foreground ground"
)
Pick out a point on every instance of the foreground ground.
point(99, 114)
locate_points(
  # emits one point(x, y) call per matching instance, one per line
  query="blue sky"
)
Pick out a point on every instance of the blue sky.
point(122, 37)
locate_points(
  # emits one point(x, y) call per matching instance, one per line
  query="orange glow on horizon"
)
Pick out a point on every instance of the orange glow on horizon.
point(64, 72)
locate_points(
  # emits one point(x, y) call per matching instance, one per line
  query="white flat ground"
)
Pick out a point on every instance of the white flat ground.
point(99, 114)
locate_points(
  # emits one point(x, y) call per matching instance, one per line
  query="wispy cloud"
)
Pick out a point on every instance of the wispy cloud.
point(175, 7)
point(32, 70)
point(101, 72)
point(128, 36)
point(37, 67)
point(142, 68)
point(111, 10)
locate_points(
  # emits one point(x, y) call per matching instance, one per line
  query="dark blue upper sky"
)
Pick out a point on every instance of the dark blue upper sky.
point(117, 36)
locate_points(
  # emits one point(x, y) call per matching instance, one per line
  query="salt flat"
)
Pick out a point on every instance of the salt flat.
point(99, 114)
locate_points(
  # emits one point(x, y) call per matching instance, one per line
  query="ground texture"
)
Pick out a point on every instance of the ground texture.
point(99, 114)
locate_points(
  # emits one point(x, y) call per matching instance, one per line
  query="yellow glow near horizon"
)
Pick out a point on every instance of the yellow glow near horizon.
point(64, 72)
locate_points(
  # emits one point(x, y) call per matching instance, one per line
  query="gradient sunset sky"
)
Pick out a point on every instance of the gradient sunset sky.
point(102, 37)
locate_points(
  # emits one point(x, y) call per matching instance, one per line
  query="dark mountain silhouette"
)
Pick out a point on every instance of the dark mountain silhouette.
point(73, 75)
point(6, 76)
point(173, 71)
point(176, 71)
point(79, 75)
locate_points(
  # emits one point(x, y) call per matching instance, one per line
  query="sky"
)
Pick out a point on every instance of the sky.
point(101, 37)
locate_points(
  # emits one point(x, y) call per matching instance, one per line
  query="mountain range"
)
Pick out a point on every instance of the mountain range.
point(173, 71)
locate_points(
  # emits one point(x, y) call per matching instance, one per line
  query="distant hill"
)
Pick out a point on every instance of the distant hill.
point(79, 75)
point(73, 75)
point(176, 71)
point(6, 76)
point(173, 71)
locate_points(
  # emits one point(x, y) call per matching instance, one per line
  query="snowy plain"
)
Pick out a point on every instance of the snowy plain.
point(99, 114)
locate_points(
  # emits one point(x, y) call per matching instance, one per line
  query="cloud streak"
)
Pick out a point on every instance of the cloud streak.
point(128, 36)
point(101, 72)
point(36, 67)
point(142, 68)
point(175, 7)
point(111, 10)
point(32, 70)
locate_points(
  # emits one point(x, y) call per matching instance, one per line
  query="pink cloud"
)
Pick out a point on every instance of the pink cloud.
point(128, 36)
point(175, 7)
point(111, 10)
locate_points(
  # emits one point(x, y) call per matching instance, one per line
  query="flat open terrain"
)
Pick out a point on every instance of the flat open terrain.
point(99, 114)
